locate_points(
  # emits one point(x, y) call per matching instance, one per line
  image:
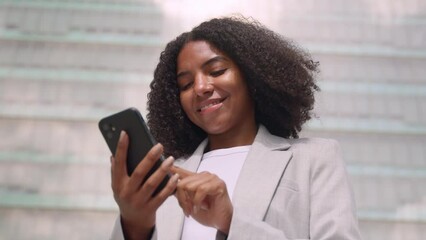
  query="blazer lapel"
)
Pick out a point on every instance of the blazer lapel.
point(259, 177)
point(170, 217)
point(261, 173)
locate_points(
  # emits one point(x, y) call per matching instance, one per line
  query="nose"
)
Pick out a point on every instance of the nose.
point(202, 85)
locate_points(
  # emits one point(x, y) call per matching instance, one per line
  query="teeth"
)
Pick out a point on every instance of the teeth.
point(211, 104)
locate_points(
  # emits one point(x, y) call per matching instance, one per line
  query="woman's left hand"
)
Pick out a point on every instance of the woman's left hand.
point(204, 197)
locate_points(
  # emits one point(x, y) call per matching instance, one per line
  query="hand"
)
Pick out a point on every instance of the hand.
point(137, 206)
point(204, 197)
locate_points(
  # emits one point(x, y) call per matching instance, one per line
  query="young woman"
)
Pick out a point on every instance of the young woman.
point(227, 101)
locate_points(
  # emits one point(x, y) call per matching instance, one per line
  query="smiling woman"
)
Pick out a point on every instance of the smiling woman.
point(215, 96)
point(228, 100)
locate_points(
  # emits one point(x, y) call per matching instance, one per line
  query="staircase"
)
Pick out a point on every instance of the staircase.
point(65, 64)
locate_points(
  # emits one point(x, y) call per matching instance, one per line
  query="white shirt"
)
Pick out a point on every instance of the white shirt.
point(226, 164)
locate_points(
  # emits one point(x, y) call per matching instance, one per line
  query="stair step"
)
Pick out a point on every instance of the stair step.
point(59, 178)
point(392, 230)
point(59, 17)
point(378, 148)
point(73, 202)
point(76, 55)
point(52, 224)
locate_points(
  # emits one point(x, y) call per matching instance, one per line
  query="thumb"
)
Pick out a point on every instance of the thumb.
point(182, 172)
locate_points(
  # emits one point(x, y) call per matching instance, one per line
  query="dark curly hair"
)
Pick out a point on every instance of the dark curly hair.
point(280, 77)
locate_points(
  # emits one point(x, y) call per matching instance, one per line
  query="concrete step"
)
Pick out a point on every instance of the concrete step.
point(53, 139)
point(62, 175)
point(375, 190)
point(406, 34)
point(92, 54)
point(67, 93)
point(392, 230)
point(39, 224)
point(390, 102)
point(62, 17)
point(360, 65)
point(405, 149)
point(399, 24)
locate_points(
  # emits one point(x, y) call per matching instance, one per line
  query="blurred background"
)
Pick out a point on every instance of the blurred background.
point(64, 64)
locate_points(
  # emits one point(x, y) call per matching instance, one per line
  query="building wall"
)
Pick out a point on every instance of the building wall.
point(65, 64)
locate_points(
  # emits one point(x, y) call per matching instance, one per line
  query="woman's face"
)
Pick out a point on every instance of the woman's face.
point(213, 93)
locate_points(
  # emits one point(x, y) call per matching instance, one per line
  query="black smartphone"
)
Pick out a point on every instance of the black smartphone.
point(140, 139)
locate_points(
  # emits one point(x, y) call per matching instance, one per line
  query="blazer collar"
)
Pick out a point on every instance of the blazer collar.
point(261, 174)
point(170, 217)
point(258, 179)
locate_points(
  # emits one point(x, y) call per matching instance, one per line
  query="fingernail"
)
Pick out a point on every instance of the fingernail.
point(194, 209)
point(157, 148)
point(122, 135)
point(175, 178)
point(168, 162)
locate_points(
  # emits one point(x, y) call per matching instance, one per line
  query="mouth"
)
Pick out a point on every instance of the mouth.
point(211, 105)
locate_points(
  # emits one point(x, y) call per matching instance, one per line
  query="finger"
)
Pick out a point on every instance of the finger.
point(187, 188)
point(184, 201)
point(191, 183)
point(113, 183)
point(201, 187)
point(216, 187)
point(166, 192)
point(151, 184)
point(145, 166)
point(119, 166)
point(182, 172)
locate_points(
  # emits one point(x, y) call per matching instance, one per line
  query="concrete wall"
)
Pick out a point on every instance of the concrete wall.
point(65, 64)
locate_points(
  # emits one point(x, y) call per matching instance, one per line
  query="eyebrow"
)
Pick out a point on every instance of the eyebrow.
point(208, 62)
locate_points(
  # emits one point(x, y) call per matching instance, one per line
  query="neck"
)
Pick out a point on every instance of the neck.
point(241, 136)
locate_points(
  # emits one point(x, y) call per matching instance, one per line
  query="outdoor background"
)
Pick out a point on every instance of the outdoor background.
point(64, 64)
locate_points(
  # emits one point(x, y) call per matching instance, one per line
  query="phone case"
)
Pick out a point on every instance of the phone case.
point(140, 138)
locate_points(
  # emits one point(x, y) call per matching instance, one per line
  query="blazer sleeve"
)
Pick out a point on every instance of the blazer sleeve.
point(332, 213)
point(117, 231)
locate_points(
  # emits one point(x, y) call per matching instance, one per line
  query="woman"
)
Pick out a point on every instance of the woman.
point(227, 101)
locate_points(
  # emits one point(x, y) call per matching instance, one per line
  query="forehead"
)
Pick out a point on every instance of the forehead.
point(197, 51)
point(199, 46)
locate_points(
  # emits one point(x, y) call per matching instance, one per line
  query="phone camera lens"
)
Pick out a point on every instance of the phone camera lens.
point(105, 127)
point(110, 135)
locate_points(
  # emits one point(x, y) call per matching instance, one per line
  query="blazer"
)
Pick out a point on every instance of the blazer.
point(287, 189)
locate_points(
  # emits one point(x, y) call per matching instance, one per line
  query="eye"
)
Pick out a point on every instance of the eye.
point(185, 86)
point(218, 72)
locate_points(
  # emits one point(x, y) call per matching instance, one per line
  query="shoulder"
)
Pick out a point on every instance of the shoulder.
point(313, 144)
point(316, 152)
point(307, 149)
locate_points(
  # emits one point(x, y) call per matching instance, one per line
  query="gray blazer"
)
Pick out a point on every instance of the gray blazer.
point(287, 189)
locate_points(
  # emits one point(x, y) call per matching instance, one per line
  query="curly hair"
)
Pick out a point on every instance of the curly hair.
point(280, 77)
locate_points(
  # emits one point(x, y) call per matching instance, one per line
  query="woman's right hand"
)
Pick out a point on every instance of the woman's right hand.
point(137, 206)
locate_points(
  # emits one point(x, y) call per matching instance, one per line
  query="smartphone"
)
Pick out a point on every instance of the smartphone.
point(140, 139)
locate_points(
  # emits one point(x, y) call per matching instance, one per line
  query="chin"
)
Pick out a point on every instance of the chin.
point(214, 129)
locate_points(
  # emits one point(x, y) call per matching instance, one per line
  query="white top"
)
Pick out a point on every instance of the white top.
point(226, 164)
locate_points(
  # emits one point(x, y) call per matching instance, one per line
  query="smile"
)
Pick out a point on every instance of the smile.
point(211, 106)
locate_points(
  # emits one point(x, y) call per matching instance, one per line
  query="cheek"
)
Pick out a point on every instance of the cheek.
point(185, 102)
